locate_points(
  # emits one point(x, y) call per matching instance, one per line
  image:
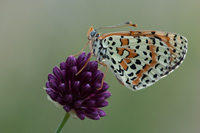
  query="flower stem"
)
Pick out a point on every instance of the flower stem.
point(60, 127)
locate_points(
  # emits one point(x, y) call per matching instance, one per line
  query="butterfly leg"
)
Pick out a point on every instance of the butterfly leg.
point(84, 65)
point(82, 49)
point(100, 67)
point(103, 64)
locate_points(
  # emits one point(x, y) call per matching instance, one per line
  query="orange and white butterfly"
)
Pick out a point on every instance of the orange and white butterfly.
point(138, 58)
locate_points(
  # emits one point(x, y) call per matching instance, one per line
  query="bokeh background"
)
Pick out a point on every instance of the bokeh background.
point(36, 35)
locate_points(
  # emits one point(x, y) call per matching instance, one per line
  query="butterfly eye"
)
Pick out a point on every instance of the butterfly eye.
point(92, 33)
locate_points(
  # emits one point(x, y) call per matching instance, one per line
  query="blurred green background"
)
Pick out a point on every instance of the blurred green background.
point(36, 35)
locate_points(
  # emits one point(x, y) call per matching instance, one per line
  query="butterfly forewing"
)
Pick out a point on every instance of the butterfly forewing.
point(140, 58)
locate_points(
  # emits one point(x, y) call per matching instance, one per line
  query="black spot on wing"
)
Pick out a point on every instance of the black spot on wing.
point(113, 61)
point(150, 54)
point(133, 66)
point(133, 78)
point(110, 48)
point(137, 47)
point(147, 81)
point(148, 47)
point(165, 61)
point(145, 53)
point(112, 67)
point(159, 57)
point(110, 38)
point(113, 43)
point(175, 37)
point(147, 41)
point(158, 38)
point(153, 40)
point(127, 81)
point(161, 44)
point(121, 71)
point(155, 75)
point(146, 59)
point(144, 66)
point(138, 72)
point(138, 40)
point(107, 57)
point(138, 62)
point(144, 75)
point(157, 65)
point(131, 74)
point(157, 49)
point(149, 70)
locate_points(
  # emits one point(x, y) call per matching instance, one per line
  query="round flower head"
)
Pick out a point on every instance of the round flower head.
point(78, 94)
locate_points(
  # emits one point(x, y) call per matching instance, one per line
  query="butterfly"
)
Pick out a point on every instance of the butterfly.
point(138, 58)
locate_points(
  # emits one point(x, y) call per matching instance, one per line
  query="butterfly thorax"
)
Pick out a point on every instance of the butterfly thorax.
point(98, 48)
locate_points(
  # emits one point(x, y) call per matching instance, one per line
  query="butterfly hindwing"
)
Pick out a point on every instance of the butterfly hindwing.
point(140, 58)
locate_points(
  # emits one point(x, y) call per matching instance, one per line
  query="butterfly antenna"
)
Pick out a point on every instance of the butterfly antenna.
point(119, 25)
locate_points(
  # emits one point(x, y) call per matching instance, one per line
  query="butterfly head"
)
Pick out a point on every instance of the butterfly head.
point(91, 33)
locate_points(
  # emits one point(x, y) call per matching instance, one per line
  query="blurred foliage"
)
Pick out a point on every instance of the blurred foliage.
point(36, 35)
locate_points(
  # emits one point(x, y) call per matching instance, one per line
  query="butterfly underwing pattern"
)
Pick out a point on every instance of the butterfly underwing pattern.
point(138, 58)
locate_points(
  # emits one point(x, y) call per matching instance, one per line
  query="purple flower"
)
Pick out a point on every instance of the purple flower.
point(78, 94)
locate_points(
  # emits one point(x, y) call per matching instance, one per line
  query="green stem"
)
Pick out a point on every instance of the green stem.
point(60, 127)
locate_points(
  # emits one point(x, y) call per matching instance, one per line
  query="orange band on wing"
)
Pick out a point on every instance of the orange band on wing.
point(120, 50)
point(148, 66)
point(139, 75)
point(127, 60)
point(115, 33)
point(124, 65)
point(154, 55)
point(124, 41)
point(132, 53)
point(163, 38)
point(136, 82)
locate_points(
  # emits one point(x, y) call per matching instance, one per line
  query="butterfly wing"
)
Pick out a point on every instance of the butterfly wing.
point(140, 58)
